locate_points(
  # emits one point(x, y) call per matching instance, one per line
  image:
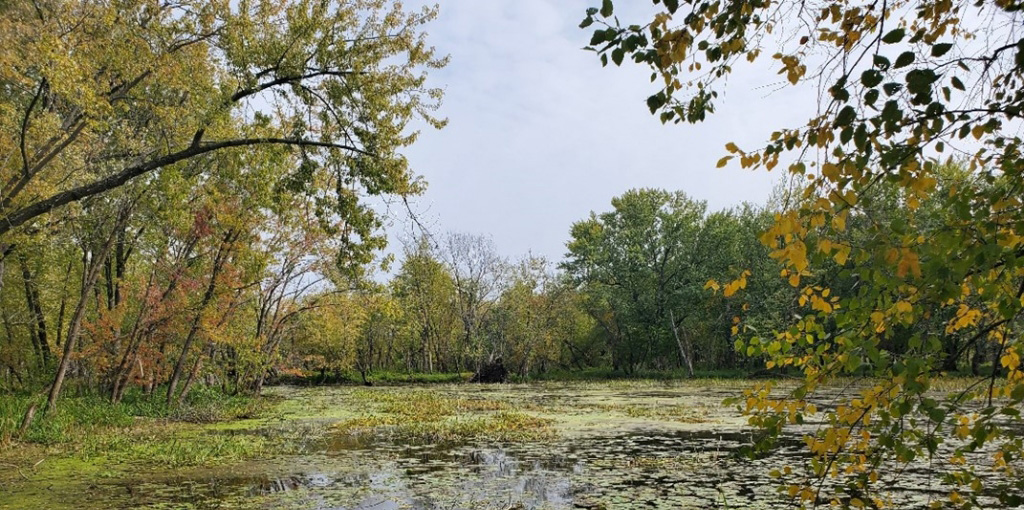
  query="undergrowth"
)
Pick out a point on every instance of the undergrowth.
point(79, 416)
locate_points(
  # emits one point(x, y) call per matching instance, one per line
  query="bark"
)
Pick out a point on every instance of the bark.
point(5, 250)
point(37, 330)
point(192, 376)
point(26, 421)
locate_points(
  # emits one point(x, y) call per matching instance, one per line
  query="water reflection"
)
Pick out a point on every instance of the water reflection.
point(628, 470)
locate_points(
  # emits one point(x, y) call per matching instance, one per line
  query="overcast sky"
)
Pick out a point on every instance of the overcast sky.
point(540, 135)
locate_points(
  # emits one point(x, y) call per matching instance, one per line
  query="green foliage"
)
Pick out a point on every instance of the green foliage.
point(643, 268)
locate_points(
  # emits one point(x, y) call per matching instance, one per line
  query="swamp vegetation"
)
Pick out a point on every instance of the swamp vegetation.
point(610, 444)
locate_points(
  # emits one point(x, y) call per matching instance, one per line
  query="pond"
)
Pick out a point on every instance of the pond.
point(540, 446)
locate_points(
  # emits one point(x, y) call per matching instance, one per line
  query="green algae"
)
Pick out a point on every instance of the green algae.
point(616, 444)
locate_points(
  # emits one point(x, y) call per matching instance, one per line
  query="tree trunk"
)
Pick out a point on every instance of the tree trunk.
point(192, 376)
point(219, 260)
point(682, 350)
point(89, 277)
point(75, 329)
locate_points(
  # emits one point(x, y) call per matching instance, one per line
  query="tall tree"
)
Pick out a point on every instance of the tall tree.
point(98, 94)
point(478, 273)
point(645, 262)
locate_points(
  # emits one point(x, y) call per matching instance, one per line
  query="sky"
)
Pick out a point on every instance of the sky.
point(540, 135)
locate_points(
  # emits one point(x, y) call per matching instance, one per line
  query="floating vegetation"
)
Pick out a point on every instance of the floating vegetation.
point(549, 446)
point(428, 417)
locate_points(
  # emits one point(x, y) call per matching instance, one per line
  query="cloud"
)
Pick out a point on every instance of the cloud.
point(540, 134)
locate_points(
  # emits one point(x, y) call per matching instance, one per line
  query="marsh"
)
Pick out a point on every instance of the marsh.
point(613, 444)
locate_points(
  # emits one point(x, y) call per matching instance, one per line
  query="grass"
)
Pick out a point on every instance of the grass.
point(141, 428)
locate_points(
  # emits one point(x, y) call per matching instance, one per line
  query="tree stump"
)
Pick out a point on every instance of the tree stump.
point(492, 372)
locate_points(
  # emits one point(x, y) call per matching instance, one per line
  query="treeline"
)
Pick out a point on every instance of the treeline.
point(238, 287)
point(656, 283)
point(631, 295)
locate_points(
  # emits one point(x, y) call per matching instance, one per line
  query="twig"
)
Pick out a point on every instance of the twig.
point(15, 466)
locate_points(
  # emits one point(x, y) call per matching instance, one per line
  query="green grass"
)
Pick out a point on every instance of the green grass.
point(77, 417)
point(418, 378)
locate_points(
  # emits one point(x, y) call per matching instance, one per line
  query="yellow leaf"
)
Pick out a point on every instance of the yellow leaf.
point(730, 289)
point(908, 264)
point(842, 254)
point(831, 171)
point(839, 220)
point(722, 162)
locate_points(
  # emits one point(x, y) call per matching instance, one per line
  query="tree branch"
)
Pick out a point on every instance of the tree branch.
point(19, 217)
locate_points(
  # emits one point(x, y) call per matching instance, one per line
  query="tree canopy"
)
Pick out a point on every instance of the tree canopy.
point(100, 94)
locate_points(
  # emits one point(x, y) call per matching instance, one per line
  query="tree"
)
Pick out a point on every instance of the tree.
point(527, 327)
point(901, 84)
point(647, 261)
point(425, 290)
point(327, 337)
point(479, 275)
point(145, 150)
point(99, 94)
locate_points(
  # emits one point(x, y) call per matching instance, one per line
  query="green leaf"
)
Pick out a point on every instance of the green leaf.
point(941, 49)
point(881, 62)
point(672, 5)
point(894, 36)
point(919, 81)
point(852, 363)
point(656, 101)
point(871, 78)
point(891, 88)
point(617, 55)
point(606, 8)
point(905, 59)
point(846, 116)
point(846, 135)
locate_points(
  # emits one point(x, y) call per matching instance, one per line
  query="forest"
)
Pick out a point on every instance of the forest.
point(194, 207)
